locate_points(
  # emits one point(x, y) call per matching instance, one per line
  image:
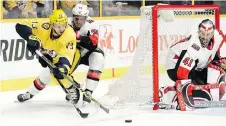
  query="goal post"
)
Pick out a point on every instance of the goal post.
point(148, 73)
point(193, 10)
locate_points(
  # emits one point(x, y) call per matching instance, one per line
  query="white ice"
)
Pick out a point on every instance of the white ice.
point(49, 108)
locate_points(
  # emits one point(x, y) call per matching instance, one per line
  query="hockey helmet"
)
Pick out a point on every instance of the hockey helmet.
point(206, 32)
point(58, 17)
point(80, 10)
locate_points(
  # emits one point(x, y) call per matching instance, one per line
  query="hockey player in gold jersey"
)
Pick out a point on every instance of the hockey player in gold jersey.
point(56, 40)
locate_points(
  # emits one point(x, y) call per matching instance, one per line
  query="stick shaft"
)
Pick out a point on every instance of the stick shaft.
point(73, 82)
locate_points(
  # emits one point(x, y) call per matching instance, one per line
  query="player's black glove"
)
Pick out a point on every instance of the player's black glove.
point(33, 44)
point(59, 71)
point(51, 55)
point(88, 42)
point(43, 62)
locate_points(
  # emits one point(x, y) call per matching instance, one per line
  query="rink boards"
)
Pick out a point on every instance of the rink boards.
point(118, 38)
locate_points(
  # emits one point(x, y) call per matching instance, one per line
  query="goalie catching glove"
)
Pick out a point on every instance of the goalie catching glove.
point(223, 63)
point(220, 63)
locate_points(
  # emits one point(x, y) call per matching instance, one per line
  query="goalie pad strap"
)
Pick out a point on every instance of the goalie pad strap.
point(205, 87)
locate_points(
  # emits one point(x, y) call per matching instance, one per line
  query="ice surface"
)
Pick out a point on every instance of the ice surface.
point(49, 108)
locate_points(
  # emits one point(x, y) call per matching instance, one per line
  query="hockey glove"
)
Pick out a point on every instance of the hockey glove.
point(59, 71)
point(33, 44)
point(43, 62)
point(223, 63)
point(51, 55)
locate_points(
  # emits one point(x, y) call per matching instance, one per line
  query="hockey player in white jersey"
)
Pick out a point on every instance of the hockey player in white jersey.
point(192, 60)
point(87, 43)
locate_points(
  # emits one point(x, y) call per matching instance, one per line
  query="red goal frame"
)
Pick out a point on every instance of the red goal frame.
point(155, 39)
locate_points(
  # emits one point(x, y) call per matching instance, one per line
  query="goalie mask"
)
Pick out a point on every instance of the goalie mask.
point(80, 13)
point(206, 32)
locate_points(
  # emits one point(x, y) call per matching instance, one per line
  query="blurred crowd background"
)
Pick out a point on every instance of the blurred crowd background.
point(12, 9)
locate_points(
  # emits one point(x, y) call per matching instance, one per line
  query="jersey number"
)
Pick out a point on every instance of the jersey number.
point(34, 25)
point(187, 62)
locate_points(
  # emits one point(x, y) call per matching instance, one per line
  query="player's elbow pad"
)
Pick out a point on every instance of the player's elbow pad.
point(23, 30)
point(86, 43)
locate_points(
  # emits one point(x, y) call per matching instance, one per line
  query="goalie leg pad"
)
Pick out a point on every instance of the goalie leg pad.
point(184, 95)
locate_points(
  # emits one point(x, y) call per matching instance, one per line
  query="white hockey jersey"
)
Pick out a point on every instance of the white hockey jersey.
point(88, 27)
point(188, 54)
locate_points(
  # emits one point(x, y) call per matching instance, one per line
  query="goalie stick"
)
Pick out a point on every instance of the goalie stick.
point(210, 104)
point(73, 83)
point(198, 104)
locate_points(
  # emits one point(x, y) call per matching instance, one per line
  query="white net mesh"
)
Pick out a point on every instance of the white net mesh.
point(136, 86)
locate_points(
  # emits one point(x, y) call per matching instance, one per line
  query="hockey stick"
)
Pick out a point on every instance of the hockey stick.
point(73, 82)
point(83, 115)
point(210, 104)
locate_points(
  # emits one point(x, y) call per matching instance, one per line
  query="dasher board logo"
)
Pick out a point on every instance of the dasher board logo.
point(194, 12)
point(105, 37)
point(15, 50)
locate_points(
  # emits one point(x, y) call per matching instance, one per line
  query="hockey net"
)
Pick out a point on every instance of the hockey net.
point(147, 74)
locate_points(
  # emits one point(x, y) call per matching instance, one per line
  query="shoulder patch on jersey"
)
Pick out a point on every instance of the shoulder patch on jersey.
point(70, 45)
point(46, 26)
point(195, 46)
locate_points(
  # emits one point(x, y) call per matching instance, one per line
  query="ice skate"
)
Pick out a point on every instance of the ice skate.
point(24, 97)
point(73, 94)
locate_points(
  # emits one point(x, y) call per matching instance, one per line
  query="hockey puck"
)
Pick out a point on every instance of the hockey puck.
point(128, 121)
